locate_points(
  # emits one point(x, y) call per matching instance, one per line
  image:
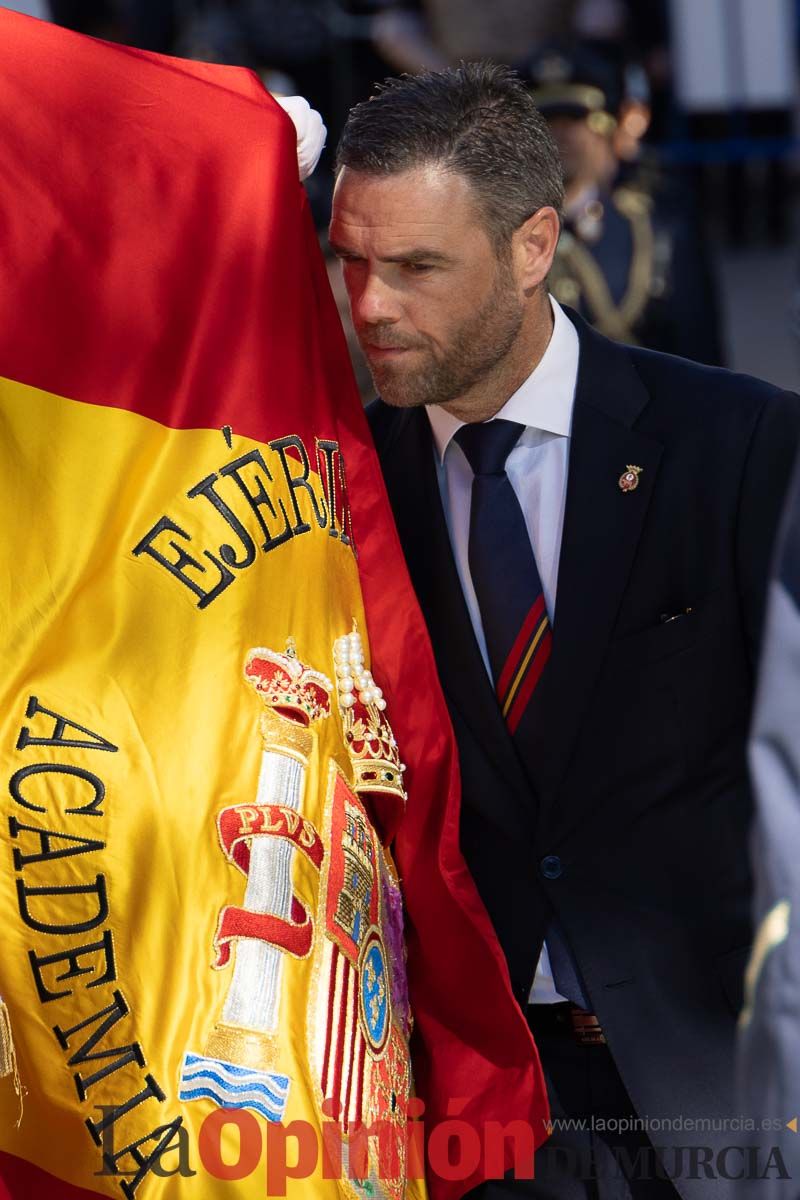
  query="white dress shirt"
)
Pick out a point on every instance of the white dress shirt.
point(537, 469)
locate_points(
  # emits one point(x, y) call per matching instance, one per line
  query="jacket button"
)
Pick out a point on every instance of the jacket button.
point(551, 866)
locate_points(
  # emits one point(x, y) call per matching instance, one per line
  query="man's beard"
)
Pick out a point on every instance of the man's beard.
point(473, 352)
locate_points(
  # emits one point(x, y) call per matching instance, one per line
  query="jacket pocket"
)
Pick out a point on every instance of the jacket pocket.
point(668, 637)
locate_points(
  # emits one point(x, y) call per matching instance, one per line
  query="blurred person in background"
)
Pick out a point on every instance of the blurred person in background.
point(428, 35)
point(631, 258)
point(769, 1027)
point(629, 31)
point(416, 35)
point(769, 1034)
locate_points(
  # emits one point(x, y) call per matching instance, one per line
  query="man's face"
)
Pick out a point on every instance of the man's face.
point(433, 307)
point(587, 155)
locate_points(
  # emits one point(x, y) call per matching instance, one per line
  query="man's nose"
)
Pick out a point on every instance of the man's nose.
point(376, 302)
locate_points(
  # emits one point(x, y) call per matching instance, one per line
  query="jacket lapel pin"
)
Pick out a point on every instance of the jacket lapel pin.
point(629, 480)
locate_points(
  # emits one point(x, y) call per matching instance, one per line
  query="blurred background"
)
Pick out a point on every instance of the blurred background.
point(677, 122)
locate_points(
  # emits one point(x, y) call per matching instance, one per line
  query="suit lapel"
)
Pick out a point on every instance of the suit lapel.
point(602, 527)
point(409, 468)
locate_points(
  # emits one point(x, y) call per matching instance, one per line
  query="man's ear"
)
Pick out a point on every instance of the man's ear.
point(533, 246)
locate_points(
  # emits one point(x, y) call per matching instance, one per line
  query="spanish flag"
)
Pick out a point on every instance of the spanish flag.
point(214, 671)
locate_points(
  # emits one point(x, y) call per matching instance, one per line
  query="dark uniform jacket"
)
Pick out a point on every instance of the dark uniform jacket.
point(628, 813)
point(634, 264)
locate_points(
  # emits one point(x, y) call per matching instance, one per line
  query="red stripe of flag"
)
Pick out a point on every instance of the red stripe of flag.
point(341, 1040)
point(329, 1027)
point(523, 637)
point(362, 1046)
point(351, 1066)
point(531, 679)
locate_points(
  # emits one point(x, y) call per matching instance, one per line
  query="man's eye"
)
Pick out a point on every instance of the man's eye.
point(418, 268)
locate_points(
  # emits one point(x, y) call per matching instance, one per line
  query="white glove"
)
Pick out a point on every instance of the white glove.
point(311, 133)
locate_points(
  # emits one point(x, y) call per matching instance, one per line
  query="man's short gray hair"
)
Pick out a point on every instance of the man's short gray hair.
point(477, 120)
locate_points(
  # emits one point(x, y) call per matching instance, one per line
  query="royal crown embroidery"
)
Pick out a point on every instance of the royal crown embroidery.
point(370, 742)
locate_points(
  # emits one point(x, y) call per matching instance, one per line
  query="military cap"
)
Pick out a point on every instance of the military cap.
point(570, 78)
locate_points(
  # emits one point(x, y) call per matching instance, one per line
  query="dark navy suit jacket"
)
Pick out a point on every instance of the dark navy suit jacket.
point(635, 786)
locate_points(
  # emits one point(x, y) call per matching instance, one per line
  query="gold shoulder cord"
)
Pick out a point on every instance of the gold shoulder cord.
point(577, 266)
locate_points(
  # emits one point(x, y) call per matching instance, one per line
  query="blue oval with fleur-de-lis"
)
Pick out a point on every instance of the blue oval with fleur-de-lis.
point(374, 992)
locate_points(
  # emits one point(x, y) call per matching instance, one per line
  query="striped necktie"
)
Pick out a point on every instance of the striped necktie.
point(503, 570)
point(513, 612)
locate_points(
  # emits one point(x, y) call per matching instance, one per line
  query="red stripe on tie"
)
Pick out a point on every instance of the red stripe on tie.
point(515, 655)
point(531, 679)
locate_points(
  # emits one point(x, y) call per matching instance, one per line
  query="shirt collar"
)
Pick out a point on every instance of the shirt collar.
point(546, 398)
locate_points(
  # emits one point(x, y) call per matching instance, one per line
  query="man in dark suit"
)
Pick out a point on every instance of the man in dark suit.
point(588, 528)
